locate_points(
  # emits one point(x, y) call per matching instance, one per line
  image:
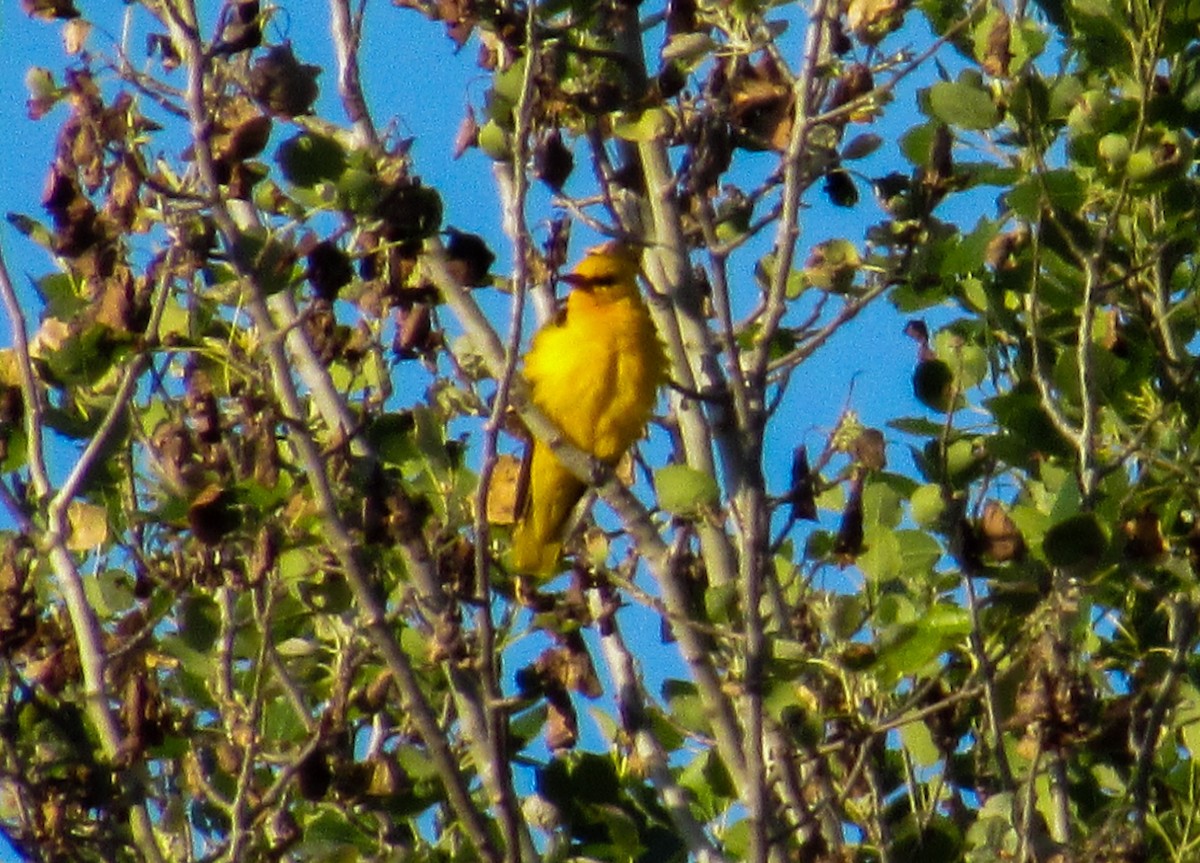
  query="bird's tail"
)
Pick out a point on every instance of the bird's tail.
point(552, 493)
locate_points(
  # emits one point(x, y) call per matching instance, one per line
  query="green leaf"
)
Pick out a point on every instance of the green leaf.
point(963, 105)
point(902, 485)
point(913, 648)
point(719, 602)
point(1102, 33)
point(1064, 95)
point(199, 623)
point(965, 459)
point(993, 836)
point(85, 357)
point(685, 705)
point(1029, 40)
point(595, 778)
point(832, 499)
point(688, 47)
point(917, 426)
point(623, 834)
point(881, 561)
point(970, 365)
point(327, 592)
point(649, 125)
point(919, 742)
point(737, 840)
point(296, 564)
point(832, 265)
point(949, 621)
point(507, 84)
point(683, 490)
point(199, 664)
point(272, 257)
point(358, 191)
point(584, 778)
point(1187, 719)
point(39, 82)
point(292, 648)
point(919, 552)
point(845, 616)
point(881, 505)
point(1028, 427)
point(933, 840)
point(61, 296)
point(495, 141)
point(109, 592)
point(281, 722)
point(393, 435)
point(15, 444)
point(916, 143)
point(418, 765)
point(974, 294)
point(1077, 541)
point(709, 783)
point(307, 158)
point(966, 255)
point(906, 649)
point(764, 273)
point(1063, 189)
point(973, 174)
point(665, 732)
point(525, 726)
point(334, 838)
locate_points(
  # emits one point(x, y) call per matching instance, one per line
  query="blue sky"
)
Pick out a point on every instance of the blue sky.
point(417, 83)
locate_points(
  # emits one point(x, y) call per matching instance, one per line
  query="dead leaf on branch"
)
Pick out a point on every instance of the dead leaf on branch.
point(1000, 539)
point(283, 84)
point(504, 490)
point(50, 10)
point(997, 50)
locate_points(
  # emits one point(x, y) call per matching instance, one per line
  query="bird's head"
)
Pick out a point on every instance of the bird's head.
point(607, 271)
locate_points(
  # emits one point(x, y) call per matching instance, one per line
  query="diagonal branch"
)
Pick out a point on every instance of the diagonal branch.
point(31, 392)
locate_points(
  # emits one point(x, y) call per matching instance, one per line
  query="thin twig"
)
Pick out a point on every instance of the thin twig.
point(1041, 377)
point(810, 345)
point(987, 671)
point(1183, 629)
point(795, 181)
point(518, 843)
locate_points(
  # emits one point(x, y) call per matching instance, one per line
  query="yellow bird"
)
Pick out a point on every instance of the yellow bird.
point(595, 371)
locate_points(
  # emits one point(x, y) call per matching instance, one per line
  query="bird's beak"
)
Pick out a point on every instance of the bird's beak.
point(577, 281)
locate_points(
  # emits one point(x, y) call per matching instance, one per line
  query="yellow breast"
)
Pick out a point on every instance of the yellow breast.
point(597, 373)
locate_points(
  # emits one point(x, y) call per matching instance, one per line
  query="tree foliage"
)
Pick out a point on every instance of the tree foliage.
point(259, 443)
